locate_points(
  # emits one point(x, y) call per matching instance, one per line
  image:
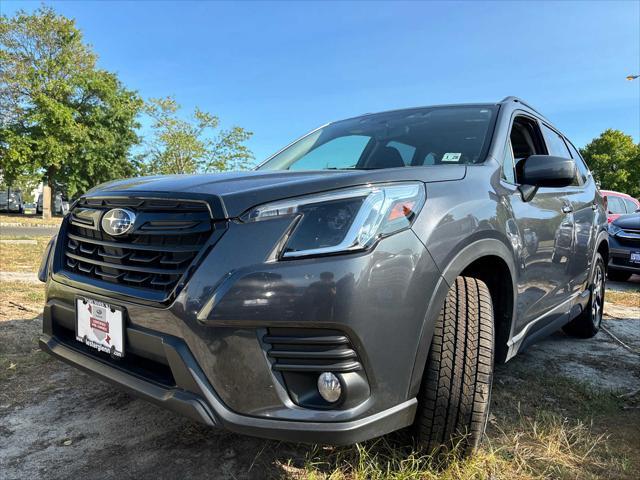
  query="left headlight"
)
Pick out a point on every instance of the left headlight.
point(344, 220)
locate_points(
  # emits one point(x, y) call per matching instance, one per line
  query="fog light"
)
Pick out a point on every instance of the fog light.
point(329, 387)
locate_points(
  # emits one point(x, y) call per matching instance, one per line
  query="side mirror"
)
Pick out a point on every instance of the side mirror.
point(548, 171)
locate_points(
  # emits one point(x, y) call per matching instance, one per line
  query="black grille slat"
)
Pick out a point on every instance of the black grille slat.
point(342, 367)
point(297, 350)
point(165, 240)
point(314, 355)
point(136, 246)
point(312, 340)
point(130, 268)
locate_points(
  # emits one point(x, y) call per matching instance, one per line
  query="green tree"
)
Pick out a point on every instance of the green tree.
point(62, 118)
point(615, 161)
point(192, 145)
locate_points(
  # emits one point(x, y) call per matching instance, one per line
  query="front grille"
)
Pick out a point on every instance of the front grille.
point(629, 236)
point(307, 350)
point(166, 238)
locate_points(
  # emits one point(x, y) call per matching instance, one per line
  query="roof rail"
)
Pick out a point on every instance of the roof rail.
point(511, 98)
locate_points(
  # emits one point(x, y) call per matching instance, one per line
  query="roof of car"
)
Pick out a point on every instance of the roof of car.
point(617, 194)
point(506, 100)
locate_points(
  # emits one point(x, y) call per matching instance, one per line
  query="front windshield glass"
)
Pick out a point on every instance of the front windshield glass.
point(405, 138)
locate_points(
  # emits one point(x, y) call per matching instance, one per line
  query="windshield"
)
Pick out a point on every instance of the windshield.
point(405, 138)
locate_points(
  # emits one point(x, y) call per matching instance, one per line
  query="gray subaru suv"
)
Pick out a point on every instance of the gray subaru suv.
point(362, 280)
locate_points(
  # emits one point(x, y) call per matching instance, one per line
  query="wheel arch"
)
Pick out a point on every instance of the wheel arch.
point(491, 261)
point(603, 248)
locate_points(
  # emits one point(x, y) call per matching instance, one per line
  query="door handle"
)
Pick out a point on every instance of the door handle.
point(567, 209)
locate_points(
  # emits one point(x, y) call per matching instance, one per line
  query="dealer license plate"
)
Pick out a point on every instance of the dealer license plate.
point(100, 326)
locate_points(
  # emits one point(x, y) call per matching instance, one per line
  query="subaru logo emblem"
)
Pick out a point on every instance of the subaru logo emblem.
point(118, 221)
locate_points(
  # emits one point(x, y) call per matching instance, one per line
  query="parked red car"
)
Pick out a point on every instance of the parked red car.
point(619, 204)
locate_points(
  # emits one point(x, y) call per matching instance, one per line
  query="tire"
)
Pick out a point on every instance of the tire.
point(587, 324)
point(619, 275)
point(453, 403)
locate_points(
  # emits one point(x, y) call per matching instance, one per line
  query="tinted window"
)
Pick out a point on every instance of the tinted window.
point(615, 205)
point(555, 143)
point(405, 151)
point(424, 136)
point(582, 167)
point(525, 138)
point(631, 207)
point(339, 153)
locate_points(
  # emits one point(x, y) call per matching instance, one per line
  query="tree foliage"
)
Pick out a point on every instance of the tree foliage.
point(61, 116)
point(191, 145)
point(615, 161)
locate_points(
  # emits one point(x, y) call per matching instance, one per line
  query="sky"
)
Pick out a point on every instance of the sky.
point(281, 69)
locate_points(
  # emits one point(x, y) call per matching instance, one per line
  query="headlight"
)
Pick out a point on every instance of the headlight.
point(613, 229)
point(344, 220)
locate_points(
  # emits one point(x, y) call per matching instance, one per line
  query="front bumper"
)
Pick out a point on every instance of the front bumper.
point(204, 355)
point(205, 406)
point(620, 254)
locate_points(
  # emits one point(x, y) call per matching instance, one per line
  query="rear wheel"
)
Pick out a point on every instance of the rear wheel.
point(456, 388)
point(587, 324)
point(618, 275)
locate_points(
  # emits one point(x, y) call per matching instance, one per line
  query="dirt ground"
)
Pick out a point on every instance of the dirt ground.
point(56, 422)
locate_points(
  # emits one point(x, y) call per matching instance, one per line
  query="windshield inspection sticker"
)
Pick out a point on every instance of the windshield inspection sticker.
point(451, 157)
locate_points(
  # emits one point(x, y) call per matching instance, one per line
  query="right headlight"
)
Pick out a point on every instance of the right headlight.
point(613, 229)
point(344, 220)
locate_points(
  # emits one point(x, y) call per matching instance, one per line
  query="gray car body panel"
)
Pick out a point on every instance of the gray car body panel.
point(386, 299)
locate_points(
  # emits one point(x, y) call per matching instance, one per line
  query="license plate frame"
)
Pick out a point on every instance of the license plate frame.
point(100, 326)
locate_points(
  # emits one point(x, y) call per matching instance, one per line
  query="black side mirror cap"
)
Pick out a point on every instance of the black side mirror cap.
point(548, 171)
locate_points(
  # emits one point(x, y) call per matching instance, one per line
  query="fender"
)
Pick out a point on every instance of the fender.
point(603, 236)
point(480, 248)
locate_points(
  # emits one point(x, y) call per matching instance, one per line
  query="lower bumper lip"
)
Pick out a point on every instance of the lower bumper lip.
point(205, 406)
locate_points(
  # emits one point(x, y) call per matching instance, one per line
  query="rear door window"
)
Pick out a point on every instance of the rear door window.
point(631, 207)
point(583, 170)
point(557, 147)
point(616, 205)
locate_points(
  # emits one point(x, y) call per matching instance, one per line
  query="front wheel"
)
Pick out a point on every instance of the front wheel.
point(587, 324)
point(456, 388)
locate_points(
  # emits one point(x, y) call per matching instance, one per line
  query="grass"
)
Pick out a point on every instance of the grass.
point(527, 438)
point(19, 300)
point(21, 257)
point(30, 220)
point(544, 447)
point(627, 299)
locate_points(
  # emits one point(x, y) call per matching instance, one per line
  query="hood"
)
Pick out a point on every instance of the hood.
point(628, 222)
point(233, 193)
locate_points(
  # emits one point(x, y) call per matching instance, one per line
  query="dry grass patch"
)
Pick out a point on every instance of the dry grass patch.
point(547, 447)
point(19, 300)
point(30, 220)
point(21, 257)
point(627, 299)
